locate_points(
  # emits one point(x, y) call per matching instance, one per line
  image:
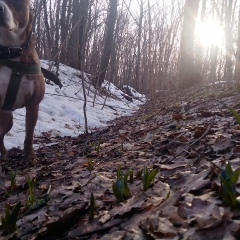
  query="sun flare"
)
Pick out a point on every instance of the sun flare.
point(210, 34)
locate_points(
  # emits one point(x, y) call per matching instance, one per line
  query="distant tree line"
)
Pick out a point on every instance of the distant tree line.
point(147, 44)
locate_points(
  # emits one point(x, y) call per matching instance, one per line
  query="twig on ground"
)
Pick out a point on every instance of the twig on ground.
point(197, 140)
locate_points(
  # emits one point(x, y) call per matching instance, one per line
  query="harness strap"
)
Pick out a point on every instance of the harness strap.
point(28, 68)
point(18, 70)
point(12, 91)
point(22, 68)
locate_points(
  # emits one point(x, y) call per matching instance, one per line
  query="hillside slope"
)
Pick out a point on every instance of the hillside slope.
point(188, 137)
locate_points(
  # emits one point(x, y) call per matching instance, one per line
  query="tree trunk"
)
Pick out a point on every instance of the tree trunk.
point(63, 30)
point(49, 47)
point(228, 39)
point(150, 69)
point(213, 64)
point(138, 61)
point(84, 4)
point(237, 64)
point(112, 14)
point(188, 74)
point(199, 44)
point(57, 34)
point(74, 37)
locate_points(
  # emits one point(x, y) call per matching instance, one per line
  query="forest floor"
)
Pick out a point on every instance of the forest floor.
point(189, 137)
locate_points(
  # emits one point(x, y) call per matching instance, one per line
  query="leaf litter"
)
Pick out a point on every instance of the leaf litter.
point(189, 140)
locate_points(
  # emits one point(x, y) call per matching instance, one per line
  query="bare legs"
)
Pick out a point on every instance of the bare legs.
point(6, 122)
point(31, 120)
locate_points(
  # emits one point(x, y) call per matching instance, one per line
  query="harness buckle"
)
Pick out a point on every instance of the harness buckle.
point(19, 50)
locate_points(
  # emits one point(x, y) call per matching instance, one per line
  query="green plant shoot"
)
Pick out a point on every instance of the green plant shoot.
point(98, 147)
point(235, 114)
point(120, 187)
point(31, 188)
point(119, 173)
point(148, 177)
point(90, 164)
point(9, 221)
point(229, 180)
point(130, 175)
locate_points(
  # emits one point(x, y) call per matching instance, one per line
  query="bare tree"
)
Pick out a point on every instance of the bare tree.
point(145, 44)
point(74, 37)
point(237, 64)
point(84, 4)
point(199, 44)
point(57, 31)
point(47, 28)
point(63, 25)
point(187, 67)
point(228, 40)
point(139, 39)
point(107, 43)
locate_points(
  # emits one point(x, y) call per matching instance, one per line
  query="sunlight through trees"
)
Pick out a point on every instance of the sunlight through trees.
point(148, 43)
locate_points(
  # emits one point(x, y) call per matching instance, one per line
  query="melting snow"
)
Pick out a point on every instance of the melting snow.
point(61, 110)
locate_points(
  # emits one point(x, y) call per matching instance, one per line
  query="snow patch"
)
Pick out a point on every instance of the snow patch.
point(61, 110)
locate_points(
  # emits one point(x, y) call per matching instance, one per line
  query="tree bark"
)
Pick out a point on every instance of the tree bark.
point(112, 14)
point(57, 34)
point(84, 4)
point(237, 64)
point(138, 61)
point(74, 37)
point(199, 44)
point(49, 45)
point(63, 27)
point(188, 73)
point(228, 38)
